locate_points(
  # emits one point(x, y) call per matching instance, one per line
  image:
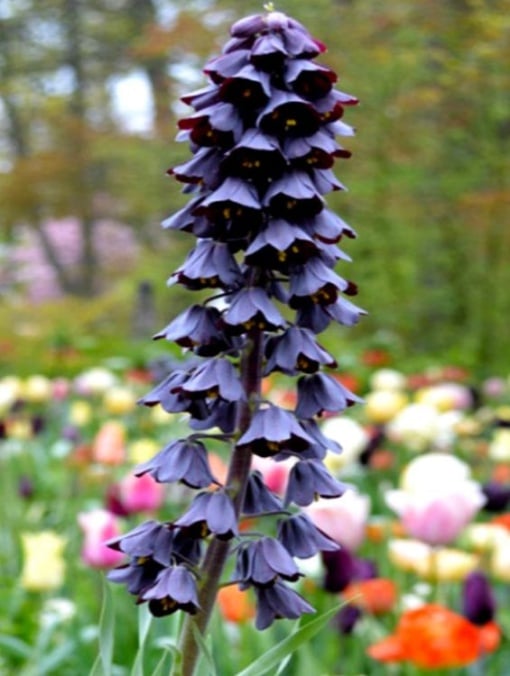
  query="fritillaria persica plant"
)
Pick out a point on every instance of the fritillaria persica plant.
point(262, 136)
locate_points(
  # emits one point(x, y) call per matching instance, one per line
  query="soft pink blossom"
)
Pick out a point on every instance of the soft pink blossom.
point(344, 519)
point(274, 474)
point(437, 517)
point(140, 494)
point(98, 526)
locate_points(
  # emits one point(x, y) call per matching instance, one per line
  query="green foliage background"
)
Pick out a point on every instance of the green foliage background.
point(428, 181)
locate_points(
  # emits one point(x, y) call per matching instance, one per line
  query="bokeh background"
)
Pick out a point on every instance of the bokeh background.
point(89, 97)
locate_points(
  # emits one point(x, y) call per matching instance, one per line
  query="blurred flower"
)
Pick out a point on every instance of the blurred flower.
point(377, 595)
point(342, 519)
point(351, 436)
point(141, 450)
point(60, 389)
point(57, 611)
point(415, 426)
point(234, 604)
point(478, 601)
point(80, 413)
point(388, 379)
point(494, 387)
point(94, 381)
point(499, 446)
point(381, 406)
point(437, 518)
point(497, 496)
point(482, 537)
point(500, 559)
point(109, 445)
point(438, 470)
point(99, 525)
point(434, 637)
point(140, 494)
point(10, 392)
point(119, 401)
point(446, 396)
point(37, 389)
point(43, 562)
point(274, 474)
point(438, 499)
point(431, 563)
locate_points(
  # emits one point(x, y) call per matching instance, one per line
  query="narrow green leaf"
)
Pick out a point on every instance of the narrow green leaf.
point(205, 651)
point(144, 623)
point(290, 644)
point(104, 662)
point(169, 645)
point(16, 646)
point(54, 659)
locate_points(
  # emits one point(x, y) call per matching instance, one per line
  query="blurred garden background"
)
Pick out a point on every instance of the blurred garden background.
point(89, 99)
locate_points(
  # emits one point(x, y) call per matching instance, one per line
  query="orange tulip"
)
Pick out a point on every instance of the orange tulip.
point(109, 445)
point(376, 596)
point(502, 520)
point(434, 637)
point(235, 605)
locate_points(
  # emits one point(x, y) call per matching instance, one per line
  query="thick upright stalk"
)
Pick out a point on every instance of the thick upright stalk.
point(217, 552)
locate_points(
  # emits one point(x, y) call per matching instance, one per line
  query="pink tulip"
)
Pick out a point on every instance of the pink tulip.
point(140, 494)
point(344, 519)
point(98, 526)
point(437, 517)
point(275, 474)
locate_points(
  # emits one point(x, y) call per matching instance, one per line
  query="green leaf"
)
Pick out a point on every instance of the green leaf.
point(205, 652)
point(290, 644)
point(16, 646)
point(104, 661)
point(144, 623)
point(170, 645)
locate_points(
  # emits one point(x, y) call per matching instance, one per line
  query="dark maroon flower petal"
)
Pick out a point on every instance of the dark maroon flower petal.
point(478, 600)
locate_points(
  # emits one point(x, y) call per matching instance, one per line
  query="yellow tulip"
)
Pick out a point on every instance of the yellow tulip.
point(80, 413)
point(142, 450)
point(440, 564)
point(43, 563)
point(119, 401)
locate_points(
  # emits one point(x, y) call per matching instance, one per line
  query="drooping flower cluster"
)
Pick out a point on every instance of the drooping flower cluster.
point(262, 136)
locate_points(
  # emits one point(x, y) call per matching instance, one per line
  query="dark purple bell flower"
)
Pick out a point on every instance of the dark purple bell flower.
point(325, 181)
point(308, 79)
point(319, 392)
point(256, 157)
point(347, 618)
point(150, 539)
point(202, 98)
point(309, 480)
point(214, 377)
point(478, 601)
point(220, 68)
point(248, 87)
point(321, 444)
point(268, 52)
point(209, 264)
point(279, 245)
point(287, 114)
point(232, 196)
point(273, 429)
point(249, 307)
point(340, 566)
point(215, 125)
point(498, 496)
point(328, 227)
point(197, 327)
point(317, 317)
point(279, 601)
point(203, 168)
point(137, 575)
point(184, 460)
point(294, 196)
point(315, 282)
point(211, 513)
point(174, 589)
point(169, 395)
point(184, 220)
point(258, 499)
point(294, 351)
point(301, 537)
point(262, 562)
point(220, 413)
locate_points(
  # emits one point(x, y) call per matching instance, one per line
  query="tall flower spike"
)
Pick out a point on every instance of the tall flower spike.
point(262, 138)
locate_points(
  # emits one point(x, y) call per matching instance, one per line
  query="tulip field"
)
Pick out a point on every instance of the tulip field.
point(419, 584)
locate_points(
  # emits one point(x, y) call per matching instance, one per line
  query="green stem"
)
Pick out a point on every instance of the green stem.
point(218, 550)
